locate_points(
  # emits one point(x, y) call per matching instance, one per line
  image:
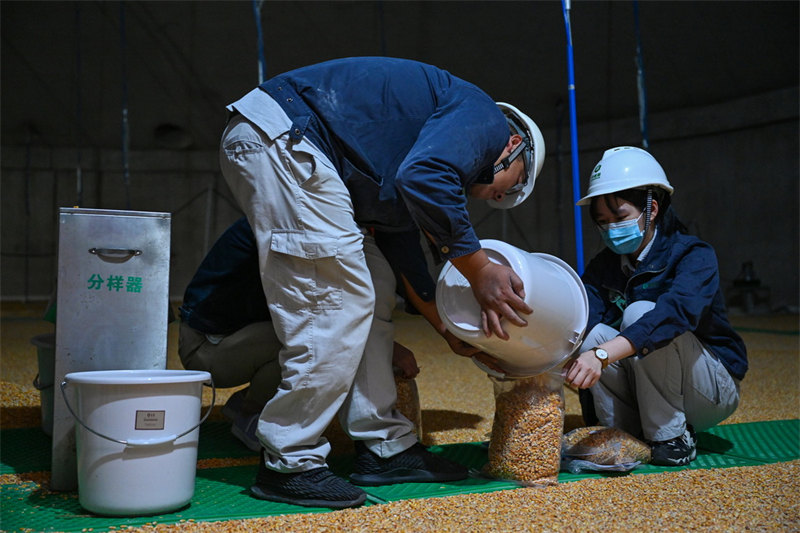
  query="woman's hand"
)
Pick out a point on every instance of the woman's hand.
point(583, 371)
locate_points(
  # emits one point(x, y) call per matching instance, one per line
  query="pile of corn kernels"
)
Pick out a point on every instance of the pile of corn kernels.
point(526, 434)
point(755, 498)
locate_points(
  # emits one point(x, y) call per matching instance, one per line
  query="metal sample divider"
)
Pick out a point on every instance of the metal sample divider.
point(112, 307)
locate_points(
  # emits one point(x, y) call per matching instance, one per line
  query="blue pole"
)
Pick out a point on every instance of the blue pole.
point(640, 85)
point(126, 138)
point(262, 60)
point(573, 130)
point(78, 109)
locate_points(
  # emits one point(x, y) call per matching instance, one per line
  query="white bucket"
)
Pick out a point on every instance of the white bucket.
point(552, 289)
point(136, 436)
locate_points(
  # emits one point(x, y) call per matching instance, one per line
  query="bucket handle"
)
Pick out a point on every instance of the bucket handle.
point(142, 442)
point(37, 383)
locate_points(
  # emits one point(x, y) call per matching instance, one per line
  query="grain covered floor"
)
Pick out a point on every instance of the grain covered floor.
point(457, 406)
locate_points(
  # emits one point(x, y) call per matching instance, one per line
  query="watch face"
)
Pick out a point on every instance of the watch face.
point(601, 353)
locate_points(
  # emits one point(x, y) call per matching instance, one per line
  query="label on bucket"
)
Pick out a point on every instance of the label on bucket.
point(150, 419)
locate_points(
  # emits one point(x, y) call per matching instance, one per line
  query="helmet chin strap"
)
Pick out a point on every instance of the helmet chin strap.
point(648, 209)
point(506, 161)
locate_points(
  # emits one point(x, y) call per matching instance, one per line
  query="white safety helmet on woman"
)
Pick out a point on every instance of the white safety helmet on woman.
point(531, 149)
point(622, 168)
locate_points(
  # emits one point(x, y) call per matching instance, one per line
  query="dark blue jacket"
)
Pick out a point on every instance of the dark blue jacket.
point(681, 276)
point(407, 138)
point(225, 293)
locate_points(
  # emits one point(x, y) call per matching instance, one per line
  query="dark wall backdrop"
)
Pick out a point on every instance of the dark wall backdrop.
point(721, 81)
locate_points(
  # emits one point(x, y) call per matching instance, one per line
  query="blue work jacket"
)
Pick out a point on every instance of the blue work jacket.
point(225, 294)
point(407, 139)
point(680, 274)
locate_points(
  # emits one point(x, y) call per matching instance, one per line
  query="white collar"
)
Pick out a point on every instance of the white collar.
point(627, 267)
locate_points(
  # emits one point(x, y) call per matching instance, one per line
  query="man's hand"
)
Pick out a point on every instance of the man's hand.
point(498, 290)
point(467, 350)
point(404, 362)
point(431, 314)
point(500, 293)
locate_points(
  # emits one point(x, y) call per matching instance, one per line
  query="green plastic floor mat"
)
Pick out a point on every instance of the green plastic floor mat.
point(222, 493)
point(24, 450)
point(769, 442)
point(29, 449)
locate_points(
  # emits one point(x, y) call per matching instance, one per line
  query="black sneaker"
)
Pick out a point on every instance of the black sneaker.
point(415, 465)
point(679, 451)
point(318, 487)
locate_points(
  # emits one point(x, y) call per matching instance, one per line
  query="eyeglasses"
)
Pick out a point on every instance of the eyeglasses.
point(527, 151)
point(524, 148)
point(516, 189)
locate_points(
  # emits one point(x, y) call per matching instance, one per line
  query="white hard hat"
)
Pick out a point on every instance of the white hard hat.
point(534, 154)
point(622, 168)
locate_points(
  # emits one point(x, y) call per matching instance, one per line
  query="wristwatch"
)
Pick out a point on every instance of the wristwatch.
point(602, 355)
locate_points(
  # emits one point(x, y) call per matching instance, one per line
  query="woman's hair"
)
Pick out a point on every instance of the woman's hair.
point(666, 220)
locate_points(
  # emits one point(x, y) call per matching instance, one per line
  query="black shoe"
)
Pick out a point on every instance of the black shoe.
point(415, 465)
point(679, 451)
point(318, 487)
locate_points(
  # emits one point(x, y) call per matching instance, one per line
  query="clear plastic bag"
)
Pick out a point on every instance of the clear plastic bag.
point(576, 466)
point(601, 448)
point(525, 444)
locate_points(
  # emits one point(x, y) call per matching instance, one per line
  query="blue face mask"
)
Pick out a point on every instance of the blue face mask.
point(622, 237)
